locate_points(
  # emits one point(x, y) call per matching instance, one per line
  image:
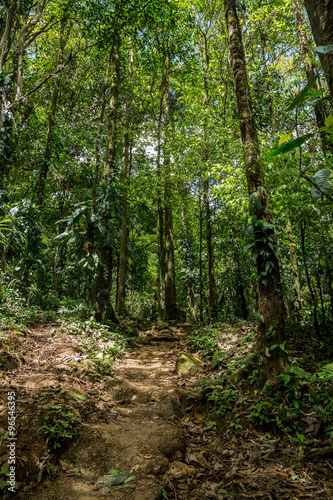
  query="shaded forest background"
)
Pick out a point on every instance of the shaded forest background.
point(125, 176)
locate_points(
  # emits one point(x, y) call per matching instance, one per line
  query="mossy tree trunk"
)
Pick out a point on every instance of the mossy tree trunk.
point(320, 14)
point(310, 69)
point(271, 330)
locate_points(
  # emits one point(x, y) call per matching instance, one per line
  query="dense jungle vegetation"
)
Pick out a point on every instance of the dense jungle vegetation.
point(167, 164)
point(168, 160)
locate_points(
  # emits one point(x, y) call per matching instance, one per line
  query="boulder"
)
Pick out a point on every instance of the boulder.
point(188, 365)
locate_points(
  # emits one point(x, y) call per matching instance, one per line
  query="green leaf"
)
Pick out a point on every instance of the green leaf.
point(130, 479)
point(321, 178)
point(164, 495)
point(329, 120)
point(283, 346)
point(289, 146)
point(79, 396)
point(113, 472)
point(324, 49)
point(284, 138)
point(302, 95)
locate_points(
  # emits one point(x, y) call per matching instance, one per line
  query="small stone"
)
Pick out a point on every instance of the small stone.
point(188, 365)
point(179, 469)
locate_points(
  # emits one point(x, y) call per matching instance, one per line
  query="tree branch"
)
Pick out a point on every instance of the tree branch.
point(307, 178)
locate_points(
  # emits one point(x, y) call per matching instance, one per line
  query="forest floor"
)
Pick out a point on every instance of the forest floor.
point(143, 421)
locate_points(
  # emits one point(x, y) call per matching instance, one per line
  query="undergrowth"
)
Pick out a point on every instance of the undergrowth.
point(285, 403)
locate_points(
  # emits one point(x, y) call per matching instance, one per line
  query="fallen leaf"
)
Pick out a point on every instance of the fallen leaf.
point(198, 415)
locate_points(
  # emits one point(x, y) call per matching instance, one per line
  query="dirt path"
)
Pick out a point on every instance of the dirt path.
point(143, 421)
point(140, 434)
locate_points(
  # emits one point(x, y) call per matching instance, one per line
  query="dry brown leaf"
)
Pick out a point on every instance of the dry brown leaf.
point(198, 415)
point(255, 453)
point(183, 486)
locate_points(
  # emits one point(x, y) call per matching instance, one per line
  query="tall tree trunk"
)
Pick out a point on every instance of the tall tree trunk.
point(295, 273)
point(267, 84)
point(321, 296)
point(210, 253)
point(160, 215)
point(171, 307)
point(189, 264)
point(103, 307)
point(241, 308)
point(99, 139)
point(271, 329)
point(8, 110)
point(41, 182)
point(125, 207)
point(308, 279)
point(320, 14)
point(330, 282)
point(92, 290)
point(201, 287)
point(310, 69)
point(210, 256)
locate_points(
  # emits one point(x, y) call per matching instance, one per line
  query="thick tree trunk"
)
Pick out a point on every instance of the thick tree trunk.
point(310, 69)
point(125, 207)
point(320, 14)
point(41, 182)
point(271, 330)
point(103, 307)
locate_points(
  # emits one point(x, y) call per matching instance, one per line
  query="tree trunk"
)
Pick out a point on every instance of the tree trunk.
point(99, 139)
point(212, 312)
point(125, 206)
point(160, 214)
point(41, 182)
point(320, 14)
point(321, 296)
point(210, 257)
point(189, 265)
point(103, 307)
point(308, 279)
point(295, 273)
point(310, 69)
point(200, 258)
point(271, 330)
point(171, 307)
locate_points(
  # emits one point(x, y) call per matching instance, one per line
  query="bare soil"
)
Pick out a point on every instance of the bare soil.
point(143, 420)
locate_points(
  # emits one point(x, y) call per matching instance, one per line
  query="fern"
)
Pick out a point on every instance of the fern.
point(326, 372)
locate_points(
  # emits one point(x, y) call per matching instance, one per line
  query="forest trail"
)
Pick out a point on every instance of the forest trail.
point(137, 430)
point(146, 423)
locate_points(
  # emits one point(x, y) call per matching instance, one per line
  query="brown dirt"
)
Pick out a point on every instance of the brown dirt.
point(143, 420)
